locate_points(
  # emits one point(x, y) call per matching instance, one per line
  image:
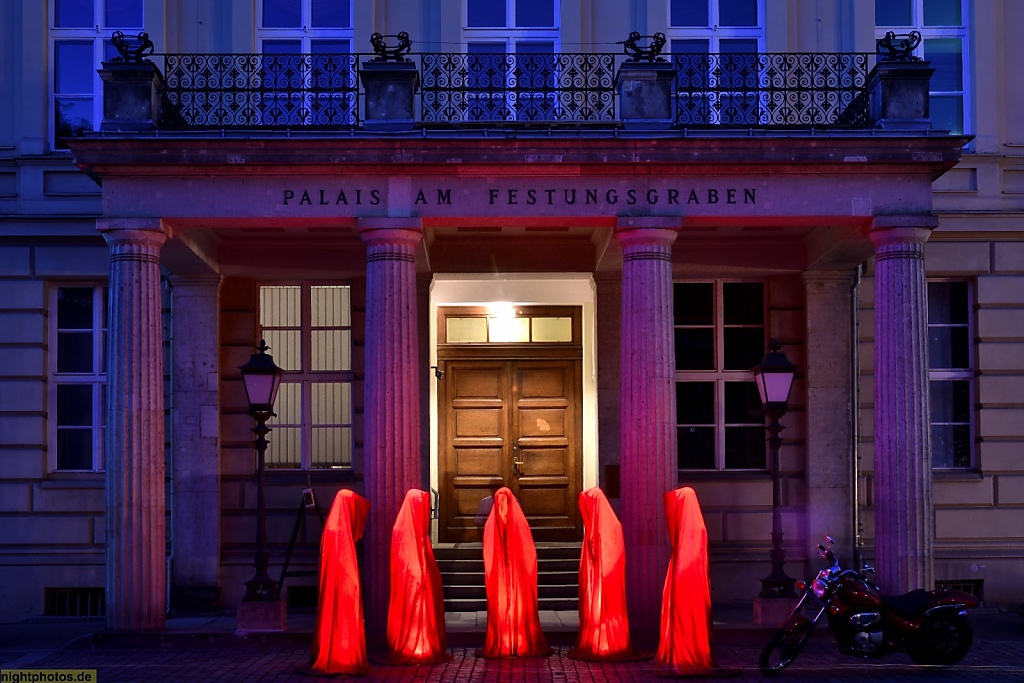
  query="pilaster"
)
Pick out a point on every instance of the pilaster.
point(904, 516)
point(195, 464)
point(392, 444)
point(829, 380)
point(648, 411)
point(134, 447)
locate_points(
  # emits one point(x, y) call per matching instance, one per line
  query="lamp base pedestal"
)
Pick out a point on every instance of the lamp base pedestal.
point(771, 612)
point(257, 616)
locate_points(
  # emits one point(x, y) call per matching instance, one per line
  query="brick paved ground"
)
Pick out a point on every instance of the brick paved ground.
point(998, 655)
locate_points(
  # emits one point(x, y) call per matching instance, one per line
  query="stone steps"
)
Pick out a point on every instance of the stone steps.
point(462, 574)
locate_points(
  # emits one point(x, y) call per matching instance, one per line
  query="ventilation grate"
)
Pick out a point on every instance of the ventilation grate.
point(75, 602)
point(973, 586)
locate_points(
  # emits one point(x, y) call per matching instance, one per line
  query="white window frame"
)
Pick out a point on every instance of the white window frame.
point(719, 375)
point(958, 374)
point(306, 34)
point(306, 378)
point(98, 34)
point(512, 36)
point(96, 378)
point(714, 34)
point(960, 32)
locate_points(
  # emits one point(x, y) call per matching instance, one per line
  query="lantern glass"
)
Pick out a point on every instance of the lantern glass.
point(774, 387)
point(261, 378)
point(774, 377)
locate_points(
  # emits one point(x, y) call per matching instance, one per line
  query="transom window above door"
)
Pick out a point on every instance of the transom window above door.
point(507, 324)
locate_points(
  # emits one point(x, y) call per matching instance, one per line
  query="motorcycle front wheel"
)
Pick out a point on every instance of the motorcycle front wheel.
point(784, 647)
point(941, 641)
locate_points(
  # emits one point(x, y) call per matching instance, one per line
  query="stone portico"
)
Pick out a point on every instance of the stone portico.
point(633, 213)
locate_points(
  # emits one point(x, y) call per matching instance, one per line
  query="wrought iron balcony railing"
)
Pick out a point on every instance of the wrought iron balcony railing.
point(763, 90)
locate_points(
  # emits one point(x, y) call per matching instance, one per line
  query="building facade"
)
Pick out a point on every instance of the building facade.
point(515, 258)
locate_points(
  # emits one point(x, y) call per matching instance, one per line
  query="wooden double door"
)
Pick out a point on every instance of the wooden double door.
point(515, 423)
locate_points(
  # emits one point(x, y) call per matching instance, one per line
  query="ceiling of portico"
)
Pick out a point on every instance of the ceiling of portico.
point(468, 245)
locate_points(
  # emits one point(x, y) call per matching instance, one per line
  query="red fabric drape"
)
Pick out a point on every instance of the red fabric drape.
point(685, 644)
point(604, 623)
point(339, 643)
point(416, 608)
point(510, 574)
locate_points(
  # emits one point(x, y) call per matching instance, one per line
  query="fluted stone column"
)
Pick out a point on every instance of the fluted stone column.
point(829, 409)
point(648, 423)
point(391, 445)
point(134, 447)
point(904, 516)
point(195, 462)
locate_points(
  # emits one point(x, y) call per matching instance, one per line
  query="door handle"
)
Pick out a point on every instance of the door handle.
point(516, 462)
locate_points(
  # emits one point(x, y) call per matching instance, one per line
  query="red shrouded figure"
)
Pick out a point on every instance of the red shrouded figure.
point(604, 623)
point(510, 574)
point(339, 643)
point(685, 644)
point(416, 607)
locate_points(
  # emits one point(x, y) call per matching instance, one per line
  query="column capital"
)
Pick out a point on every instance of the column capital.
point(401, 231)
point(632, 231)
point(909, 229)
point(146, 232)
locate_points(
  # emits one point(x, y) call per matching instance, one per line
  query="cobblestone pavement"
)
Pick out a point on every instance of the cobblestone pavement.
point(997, 655)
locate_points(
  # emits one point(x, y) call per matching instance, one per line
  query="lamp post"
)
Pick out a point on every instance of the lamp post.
point(774, 378)
point(262, 378)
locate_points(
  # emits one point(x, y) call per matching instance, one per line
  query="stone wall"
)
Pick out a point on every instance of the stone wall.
point(979, 512)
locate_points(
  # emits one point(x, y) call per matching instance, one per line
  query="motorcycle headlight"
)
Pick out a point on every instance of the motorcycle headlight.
point(819, 588)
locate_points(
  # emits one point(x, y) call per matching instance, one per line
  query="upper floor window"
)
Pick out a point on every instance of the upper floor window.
point(719, 23)
point(305, 26)
point(719, 340)
point(78, 376)
point(79, 41)
point(307, 46)
point(512, 19)
point(951, 373)
point(309, 330)
point(715, 44)
point(510, 50)
point(943, 28)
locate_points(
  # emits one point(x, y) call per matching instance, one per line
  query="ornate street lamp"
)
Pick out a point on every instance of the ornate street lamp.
point(262, 378)
point(774, 378)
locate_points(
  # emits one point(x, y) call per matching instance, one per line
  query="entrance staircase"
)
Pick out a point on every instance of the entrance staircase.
point(462, 574)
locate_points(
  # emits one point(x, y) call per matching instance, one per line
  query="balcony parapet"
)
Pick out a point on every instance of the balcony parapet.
point(131, 96)
point(347, 92)
point(899, 95)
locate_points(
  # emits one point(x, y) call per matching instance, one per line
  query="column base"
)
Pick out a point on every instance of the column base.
point(258, 616)
point(771, 612)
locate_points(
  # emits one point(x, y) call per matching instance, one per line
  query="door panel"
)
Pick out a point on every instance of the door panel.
point(474, 430)
point(544, 426)
point(513, 423)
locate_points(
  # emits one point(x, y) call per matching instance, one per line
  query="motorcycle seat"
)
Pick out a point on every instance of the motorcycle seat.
point(909, 604)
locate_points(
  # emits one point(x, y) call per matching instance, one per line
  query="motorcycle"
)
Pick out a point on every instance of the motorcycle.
point(930, 626)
